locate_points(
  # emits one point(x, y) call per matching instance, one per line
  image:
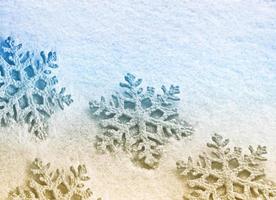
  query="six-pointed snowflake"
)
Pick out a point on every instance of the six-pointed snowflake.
point(27, 88)
point(46, 184)
point(222, 174)
point(139, 121)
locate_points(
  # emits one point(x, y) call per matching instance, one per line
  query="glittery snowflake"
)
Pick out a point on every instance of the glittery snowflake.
point(46, 184)
point(139, 122)
point(27, 88)
point(225, 174)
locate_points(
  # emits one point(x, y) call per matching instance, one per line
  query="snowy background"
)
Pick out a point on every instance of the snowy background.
point(222, 54)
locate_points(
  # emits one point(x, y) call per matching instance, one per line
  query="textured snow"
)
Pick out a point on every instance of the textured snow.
point(222, 54)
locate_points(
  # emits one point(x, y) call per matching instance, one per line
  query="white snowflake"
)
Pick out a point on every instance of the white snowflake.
point(46, 184)
point(140, 122)
point(27, 88)
point(222, 174)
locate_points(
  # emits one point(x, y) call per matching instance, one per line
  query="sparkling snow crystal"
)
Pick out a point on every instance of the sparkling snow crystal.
point(139, 121)
point(222, 174)
point(46, 184)
point(27, 88)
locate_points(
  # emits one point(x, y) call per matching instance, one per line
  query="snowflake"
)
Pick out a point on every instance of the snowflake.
point(139, 122)
point(27, 88)
point(54, 185)
point(222, 174)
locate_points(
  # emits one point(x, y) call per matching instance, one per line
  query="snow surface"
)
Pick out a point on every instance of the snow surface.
point(221, 53)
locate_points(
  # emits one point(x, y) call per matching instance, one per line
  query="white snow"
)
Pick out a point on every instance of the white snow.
point(221, 53)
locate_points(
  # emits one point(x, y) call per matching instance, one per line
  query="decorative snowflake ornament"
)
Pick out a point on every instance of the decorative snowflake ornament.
point(27, 88)
point(54, 185)
point(139, 122)
point(222, 174)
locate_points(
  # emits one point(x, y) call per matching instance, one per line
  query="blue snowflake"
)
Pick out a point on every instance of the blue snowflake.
point(139, 122)
point(27, 88)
